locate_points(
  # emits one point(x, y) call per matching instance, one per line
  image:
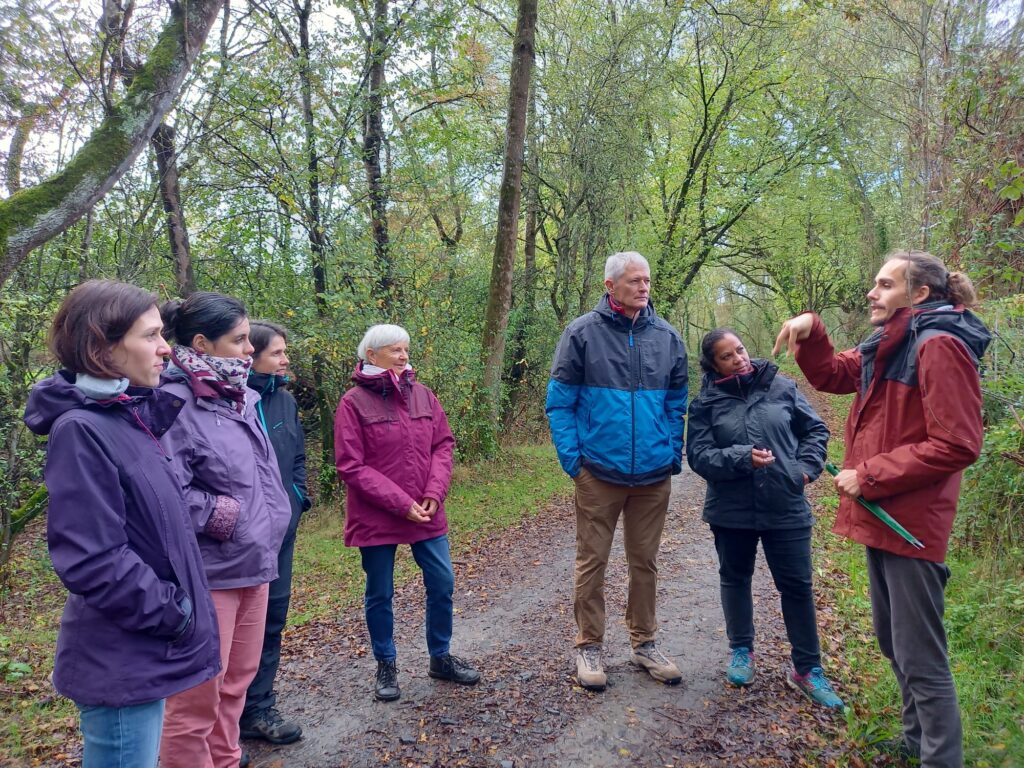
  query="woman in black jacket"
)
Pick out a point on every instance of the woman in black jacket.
point(279, 415)
point(757, 442)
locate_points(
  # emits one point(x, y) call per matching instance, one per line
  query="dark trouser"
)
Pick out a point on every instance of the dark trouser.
point(260, 696)
point(788, 553)
point(907, 605)
point(435, 560)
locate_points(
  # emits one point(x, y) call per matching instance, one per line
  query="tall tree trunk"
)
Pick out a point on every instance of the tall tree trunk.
point(499, 298)
point(170, 195)
point(520, 369)
point(373, 142)
point(317, 238)
point(37, 214)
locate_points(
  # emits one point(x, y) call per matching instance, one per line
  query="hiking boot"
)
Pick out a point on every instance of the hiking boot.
point(453, 668)
point(589, 670)
point(657, 664)
point(385, 686)
point(740, 670)
point(267, 724)
point(815, 686)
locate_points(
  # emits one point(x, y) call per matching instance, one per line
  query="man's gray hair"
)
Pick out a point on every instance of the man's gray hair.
point(617, 263)
point(381, 336)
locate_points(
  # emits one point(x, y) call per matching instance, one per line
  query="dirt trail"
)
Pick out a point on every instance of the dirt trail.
point(514, 620)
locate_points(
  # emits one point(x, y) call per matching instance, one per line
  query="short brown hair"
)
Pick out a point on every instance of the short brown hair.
point(92, 319)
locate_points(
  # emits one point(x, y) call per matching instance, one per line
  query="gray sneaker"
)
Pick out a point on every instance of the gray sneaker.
point(589, 670)
point(657, 664)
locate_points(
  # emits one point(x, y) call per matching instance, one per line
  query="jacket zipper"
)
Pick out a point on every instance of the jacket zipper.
point(632, 412)
point(141, 423)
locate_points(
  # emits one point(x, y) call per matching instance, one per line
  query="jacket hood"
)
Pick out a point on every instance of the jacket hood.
point(381, 383)
point(644, 317)
point(266, 383)
point(53, 397)
point(764, 373)
point(956, 321)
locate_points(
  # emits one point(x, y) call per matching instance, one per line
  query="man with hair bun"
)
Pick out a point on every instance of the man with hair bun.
point(914, 426)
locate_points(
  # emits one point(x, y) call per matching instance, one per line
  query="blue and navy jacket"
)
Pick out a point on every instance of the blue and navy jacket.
point(617, 397)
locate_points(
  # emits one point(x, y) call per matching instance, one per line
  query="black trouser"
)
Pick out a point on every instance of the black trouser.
point(261, 696)
point(907, 605)
point(788, 553)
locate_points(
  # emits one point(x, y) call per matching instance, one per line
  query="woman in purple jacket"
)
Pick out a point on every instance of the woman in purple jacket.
point(239, 511)
point(393, 450)
point(139, 624)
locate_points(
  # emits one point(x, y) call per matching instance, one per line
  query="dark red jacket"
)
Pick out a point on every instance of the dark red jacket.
point(392, 447)
point(915, 423)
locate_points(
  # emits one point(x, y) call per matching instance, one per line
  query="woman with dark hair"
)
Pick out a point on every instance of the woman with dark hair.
point(279, 414)
point(138, 624)
point(239, 511)
point(757, 442)
point(393, 450)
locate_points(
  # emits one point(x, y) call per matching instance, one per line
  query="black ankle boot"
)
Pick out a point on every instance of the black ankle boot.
point(453, 668)
point(386, 685)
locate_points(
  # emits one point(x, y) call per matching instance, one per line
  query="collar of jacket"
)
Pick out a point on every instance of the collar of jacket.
point(155, 409)
point(931, 315)
point(266, 383)
point(762, 378)
point(644, 317)
point(382, 383)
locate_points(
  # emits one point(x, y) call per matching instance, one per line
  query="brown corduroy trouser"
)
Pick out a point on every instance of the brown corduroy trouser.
point(598, 506)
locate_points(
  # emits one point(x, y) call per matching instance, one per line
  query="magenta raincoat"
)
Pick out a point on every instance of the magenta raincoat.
point(392, 447)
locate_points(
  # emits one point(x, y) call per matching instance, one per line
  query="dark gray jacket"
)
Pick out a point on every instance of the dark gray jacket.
point(726, 421)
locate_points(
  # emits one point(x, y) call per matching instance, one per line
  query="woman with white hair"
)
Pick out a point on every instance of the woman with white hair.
point(393, 450)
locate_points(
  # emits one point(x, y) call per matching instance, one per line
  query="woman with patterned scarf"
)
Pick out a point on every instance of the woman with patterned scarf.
point(239, 509)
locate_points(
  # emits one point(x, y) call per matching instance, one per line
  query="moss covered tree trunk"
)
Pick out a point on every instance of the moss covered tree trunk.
point(499, 298)
point(36, 214)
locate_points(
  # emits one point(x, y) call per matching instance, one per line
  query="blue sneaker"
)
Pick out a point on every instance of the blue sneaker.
point(740, 670)
point(815, 686)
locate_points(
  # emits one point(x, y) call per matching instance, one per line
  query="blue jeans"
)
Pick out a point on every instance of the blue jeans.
point(434, 560)
point(788, 552)
point(121, 737)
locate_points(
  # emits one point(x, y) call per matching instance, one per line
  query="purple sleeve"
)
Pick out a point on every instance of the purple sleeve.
point(88, 543)
point(441, 450)
point(180, 445)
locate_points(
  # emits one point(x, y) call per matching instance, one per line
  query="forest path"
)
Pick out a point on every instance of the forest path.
point(514, 621)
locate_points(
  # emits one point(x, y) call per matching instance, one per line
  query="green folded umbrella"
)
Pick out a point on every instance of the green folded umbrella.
point(881, 514)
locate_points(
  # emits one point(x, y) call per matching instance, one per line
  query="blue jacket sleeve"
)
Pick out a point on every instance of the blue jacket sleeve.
point(707, 459)
point(563, 399)
point(675, 408)
point(88, 541)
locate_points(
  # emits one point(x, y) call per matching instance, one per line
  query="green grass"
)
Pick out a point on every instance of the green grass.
point(484, 497)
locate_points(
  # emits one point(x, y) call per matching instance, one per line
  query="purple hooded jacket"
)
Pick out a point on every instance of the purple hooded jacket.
point(224, 458)
point(392, 447)
point(139, 624)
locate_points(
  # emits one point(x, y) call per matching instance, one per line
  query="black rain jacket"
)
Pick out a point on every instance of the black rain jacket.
point(726, 421)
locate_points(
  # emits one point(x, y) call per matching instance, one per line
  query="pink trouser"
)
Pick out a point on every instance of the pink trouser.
point(201, 724)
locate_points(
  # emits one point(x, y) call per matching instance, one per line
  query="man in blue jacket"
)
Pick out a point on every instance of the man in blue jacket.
point(616, 403)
